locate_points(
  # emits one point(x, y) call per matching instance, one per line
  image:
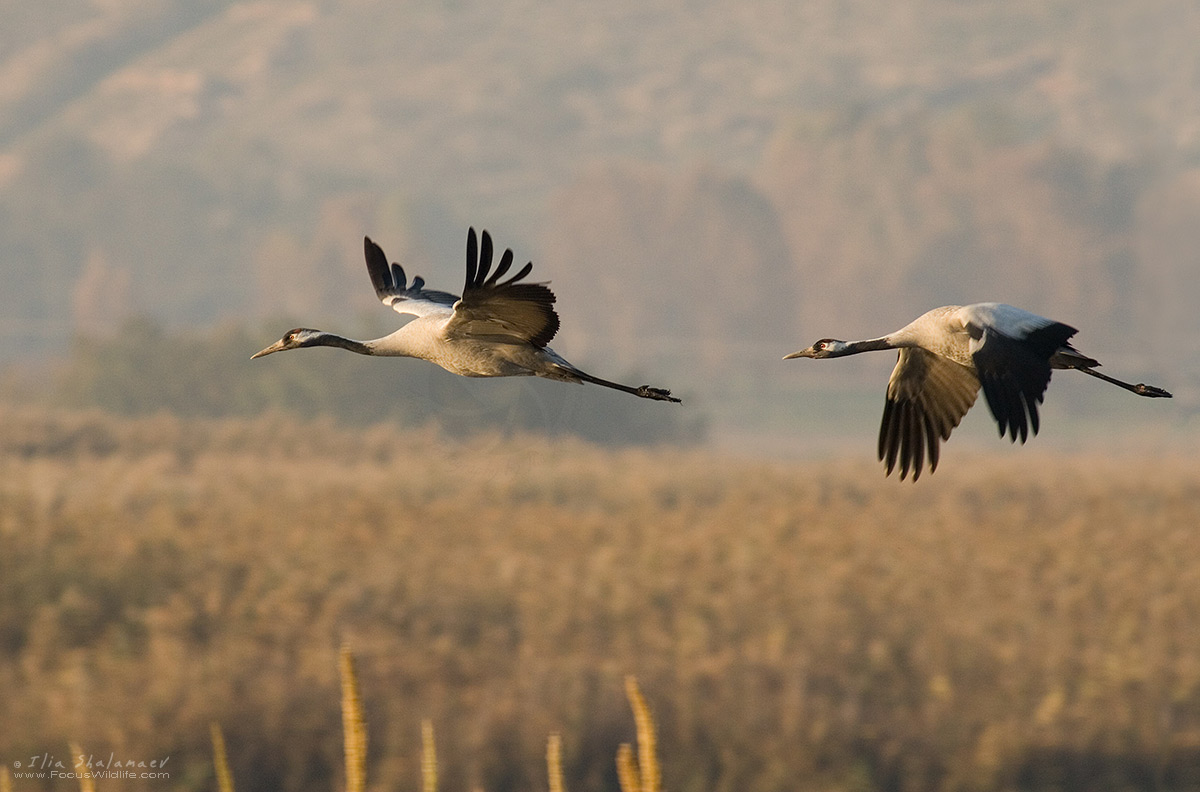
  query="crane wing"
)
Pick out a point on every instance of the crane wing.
point(490, 307)
point(392, 288)
point(1015, 371)
point(927, 396)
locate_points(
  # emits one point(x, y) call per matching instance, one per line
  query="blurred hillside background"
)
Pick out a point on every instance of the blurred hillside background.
point(707, 186)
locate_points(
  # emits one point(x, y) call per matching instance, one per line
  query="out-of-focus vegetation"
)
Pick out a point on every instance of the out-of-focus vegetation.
point(1032, 624)
point(635, 775)
point(144, 368)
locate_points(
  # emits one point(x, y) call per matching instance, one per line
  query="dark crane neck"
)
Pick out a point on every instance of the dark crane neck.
point(870, 345)
point(332, 340)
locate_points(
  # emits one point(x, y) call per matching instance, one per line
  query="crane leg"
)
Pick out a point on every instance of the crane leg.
point(644, 391)
point(1140, 389)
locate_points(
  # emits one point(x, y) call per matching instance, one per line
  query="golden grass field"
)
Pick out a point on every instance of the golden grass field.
point(1031, 622)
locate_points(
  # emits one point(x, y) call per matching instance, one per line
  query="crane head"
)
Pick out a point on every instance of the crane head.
point(292, 339)
point(826, 347)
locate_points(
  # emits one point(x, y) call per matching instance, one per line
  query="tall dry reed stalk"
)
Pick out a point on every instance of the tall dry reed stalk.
point(428, 757)
point(353, 726)
point(645, 776)
point(86, 782)
point(627, 772)
point(554, 762)
point(220, 759)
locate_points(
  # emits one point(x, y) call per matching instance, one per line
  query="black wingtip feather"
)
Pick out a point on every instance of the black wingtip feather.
point(906, 450)
point(885, 430)
point(400, 279)
point(931, 435)
point(908, 438)
point(485, 259)
point(505, 264)
point(377, 266)
point(917, 429)
point(472, 256)
point(1011, 406)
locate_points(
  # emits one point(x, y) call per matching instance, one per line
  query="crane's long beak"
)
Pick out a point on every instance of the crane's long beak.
point(802, 353)
point(276, 347)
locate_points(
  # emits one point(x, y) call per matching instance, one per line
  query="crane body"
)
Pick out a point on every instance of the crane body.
point(497, 328)
point(947, 355)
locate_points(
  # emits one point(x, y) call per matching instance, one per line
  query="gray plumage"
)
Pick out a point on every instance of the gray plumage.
point(497, 328)
point(947, 355)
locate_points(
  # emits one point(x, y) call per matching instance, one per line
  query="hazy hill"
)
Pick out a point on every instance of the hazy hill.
point(699, 262)
point(696, 179)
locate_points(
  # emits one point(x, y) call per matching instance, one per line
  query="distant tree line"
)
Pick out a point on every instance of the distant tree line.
point(146, 368)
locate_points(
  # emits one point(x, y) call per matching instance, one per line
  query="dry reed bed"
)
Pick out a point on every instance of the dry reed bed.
point(794, 625)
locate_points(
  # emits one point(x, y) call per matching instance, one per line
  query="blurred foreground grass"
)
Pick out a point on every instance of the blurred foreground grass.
point(1030, 623)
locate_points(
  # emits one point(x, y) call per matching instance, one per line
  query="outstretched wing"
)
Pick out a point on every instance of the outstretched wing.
point(927, 396)
point(391, 286)
point(1015, 371)
point(490, 307)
